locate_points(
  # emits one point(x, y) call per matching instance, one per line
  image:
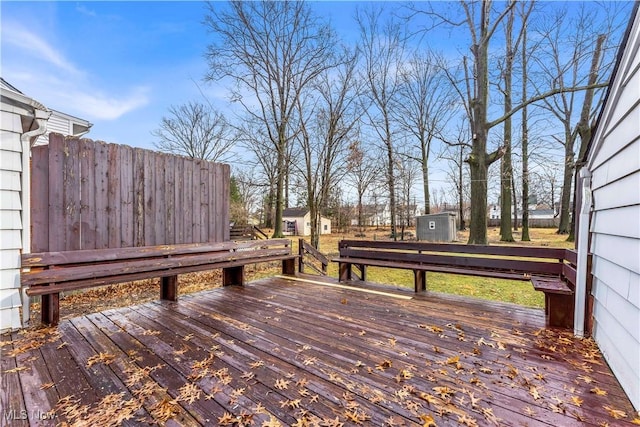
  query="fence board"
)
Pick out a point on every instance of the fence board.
point(101, 185)
point(127, 196)
point(195, 190)
point(87, 196)
point(56, 223)
point(169, 208)
point(212, 199)
point(40, 198)
point(71, 183)
point(114, 197)
point(179, 198)
point(187, 203)
point(224, 204)
point(159, 203)
point(93, 195)
point(138, 206)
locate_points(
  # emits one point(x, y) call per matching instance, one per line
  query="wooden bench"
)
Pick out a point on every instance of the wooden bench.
point(551, 270)
point(49, 273)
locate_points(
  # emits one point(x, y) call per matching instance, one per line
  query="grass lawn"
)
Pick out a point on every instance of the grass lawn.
point(514, 291)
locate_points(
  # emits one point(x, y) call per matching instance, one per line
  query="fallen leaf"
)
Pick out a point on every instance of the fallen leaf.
point(598, 391)
point(428, 421)
point(615, 413)
point(282, 384)
point(577, 401)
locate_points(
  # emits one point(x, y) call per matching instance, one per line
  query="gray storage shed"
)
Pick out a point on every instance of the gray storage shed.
point(440, 227)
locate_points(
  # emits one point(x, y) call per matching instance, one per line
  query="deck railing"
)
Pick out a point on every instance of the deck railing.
point(312, 258)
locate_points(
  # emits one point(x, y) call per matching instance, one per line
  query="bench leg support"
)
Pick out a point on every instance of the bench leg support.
point(344, 271)
point(420, 280)
point(233, 276)
point(363, 272)
point(289, 267)
point(50, 309)
point(169, 288)
point(559, 310)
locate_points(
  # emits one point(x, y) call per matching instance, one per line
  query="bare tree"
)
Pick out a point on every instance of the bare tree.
point(197, 131)
point(456, 152)
point(424, 107)
point(382, 49)
point(482, 19)
point(271, 51)
point(406, 178)
point(363, 169)
point(573, 58)
point(327, 122)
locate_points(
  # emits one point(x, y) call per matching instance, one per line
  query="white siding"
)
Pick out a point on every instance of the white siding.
point(614, 161)
point(10, 225)
point(55, 124)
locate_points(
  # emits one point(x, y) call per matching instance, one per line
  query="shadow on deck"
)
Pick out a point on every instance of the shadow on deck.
point(284, 351)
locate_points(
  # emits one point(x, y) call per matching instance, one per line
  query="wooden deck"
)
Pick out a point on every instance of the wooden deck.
point(294, 352)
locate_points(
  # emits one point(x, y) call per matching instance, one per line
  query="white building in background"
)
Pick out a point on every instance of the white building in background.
point(297, 222)
point(23, 121)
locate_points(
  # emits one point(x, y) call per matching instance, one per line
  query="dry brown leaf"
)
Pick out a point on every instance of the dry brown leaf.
point(577, 401)
point(226, 419)
point(273, 422)
point(427, 420)
point(383, 365)
point(598, 391)
point(281, 384)
point(533, 391)
point(105, 358)
point(615, 413)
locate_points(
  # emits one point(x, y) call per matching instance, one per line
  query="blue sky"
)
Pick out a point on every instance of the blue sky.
point(119, 64)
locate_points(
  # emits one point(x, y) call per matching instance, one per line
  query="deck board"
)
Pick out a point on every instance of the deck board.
point(296, 352)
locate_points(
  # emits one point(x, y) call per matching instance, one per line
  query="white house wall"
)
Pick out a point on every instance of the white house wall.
point(614, 162)
point(10, 219)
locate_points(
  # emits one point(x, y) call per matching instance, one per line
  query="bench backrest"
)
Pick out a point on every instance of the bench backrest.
point(47, 259)
point(520, 259)
point(83, 268)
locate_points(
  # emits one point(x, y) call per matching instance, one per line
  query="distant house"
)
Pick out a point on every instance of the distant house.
point(380, 215)
point(23, 122)
point(297, 222)
point(609, 222)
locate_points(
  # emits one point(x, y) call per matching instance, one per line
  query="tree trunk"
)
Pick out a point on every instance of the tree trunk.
point(563, 227)
point(277, 226)
point(584, 128)
point(506, 167)
point(478, 227)
point(392, 192)
point(425, 177)
point(462, 224)
point(525, 141)
point(478, 160)
point(515, 206)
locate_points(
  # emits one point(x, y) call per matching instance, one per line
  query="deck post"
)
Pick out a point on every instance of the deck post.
point(344, 271)
point(559, 310)
point(233, 276)
point(169, 288)
point(50, 309)
point(289, 267)
point(420, 280)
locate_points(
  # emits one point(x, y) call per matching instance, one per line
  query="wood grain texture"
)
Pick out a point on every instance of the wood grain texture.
point(94, 195)
point(300, 349)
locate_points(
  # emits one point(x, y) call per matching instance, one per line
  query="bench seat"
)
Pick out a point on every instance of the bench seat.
point(559, 300)
point(549, 269)
point(48, 274)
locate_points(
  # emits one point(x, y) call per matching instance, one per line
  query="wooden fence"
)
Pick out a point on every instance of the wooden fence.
point(94, 195)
